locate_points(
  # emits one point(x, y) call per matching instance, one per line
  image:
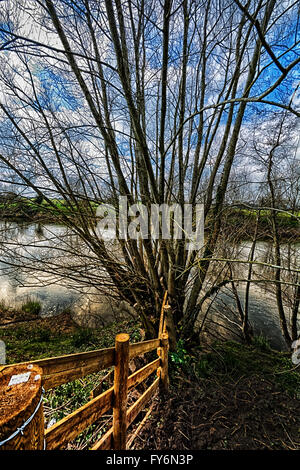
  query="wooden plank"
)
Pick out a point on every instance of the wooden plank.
point(52, 381)
point(98, 389)
point(120, 391)
point(135, 409)
point(62, 369)
point(143, 347)
point(58, 378)
point(140, 426)
point(93, 361)
point(140, 375)
point(69, 427)
point(105, 443)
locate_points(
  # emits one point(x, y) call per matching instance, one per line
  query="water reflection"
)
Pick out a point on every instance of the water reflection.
point(37, 244)
point(49, 243)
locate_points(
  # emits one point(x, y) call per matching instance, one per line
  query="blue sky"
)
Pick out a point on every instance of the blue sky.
point(56, 93)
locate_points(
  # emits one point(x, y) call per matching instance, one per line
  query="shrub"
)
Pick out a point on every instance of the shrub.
point(43, 335)
point(180, 359)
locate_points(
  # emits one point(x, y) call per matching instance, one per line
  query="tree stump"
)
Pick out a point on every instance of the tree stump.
point(20, 395)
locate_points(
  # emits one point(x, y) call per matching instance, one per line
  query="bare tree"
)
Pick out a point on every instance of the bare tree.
point(140, 99)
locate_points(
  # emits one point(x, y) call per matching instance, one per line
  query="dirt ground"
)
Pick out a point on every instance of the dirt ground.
point(224, 411)
point(11, 318)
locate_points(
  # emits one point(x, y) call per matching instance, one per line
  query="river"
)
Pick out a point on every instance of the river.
point(51, 245)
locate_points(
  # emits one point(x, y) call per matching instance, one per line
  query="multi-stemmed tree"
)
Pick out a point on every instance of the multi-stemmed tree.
point(140, 99)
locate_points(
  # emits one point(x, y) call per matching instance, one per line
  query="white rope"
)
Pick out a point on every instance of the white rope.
point(21, 428)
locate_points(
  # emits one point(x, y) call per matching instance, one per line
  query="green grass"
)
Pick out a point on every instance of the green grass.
point(29, 342)
point(284, 219)
point(32, 307)
point(224, 363)
point(236, 360)
point(28, 208)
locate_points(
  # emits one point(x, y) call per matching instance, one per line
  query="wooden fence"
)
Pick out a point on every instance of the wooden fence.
point(60, 370)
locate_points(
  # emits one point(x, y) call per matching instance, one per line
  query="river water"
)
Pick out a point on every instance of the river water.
point(222, 312)
point(19, 284)
point(53, 246)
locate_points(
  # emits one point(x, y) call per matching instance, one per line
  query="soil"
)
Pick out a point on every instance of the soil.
point(250, 412)
point(61, 323)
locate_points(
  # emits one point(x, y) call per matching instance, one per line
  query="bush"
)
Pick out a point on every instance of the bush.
point(43, 335)
point(180, 359)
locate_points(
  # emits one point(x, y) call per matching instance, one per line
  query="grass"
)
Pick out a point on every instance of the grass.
point(235, 360)
point(232, 360)
point(236, 384)
point(284, 219)
point(32, 307)
point(29, 209)
point(37, 340)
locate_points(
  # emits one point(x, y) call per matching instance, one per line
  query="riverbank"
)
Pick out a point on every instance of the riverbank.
point(231, 396)
point(32, 210)
point(239, 223)
point(28, 337)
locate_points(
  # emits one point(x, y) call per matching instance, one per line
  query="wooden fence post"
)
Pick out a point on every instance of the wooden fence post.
point(169, 327)
point(120, 391)
point(162, 315)
point(164, 375)
point(21, 408)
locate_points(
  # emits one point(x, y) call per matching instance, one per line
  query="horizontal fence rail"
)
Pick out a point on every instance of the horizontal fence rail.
point(106, 442)
point(62, 369)
point(59, 370)
point(72, 425)
point(69, 427)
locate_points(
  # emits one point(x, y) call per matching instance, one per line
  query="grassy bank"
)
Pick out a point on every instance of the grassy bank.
point(22, 209)
point(243, 221)
point(240, 224)
point(36, 338)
